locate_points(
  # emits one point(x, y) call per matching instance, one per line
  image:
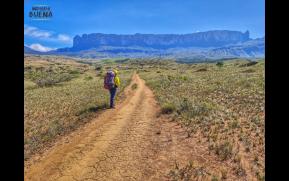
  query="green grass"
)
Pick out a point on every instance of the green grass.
point(56, 109)
point(168, 108)
point(191, 171)
point(224, 102)
point(221, 101)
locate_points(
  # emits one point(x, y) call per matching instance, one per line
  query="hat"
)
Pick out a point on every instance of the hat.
point(115, 71)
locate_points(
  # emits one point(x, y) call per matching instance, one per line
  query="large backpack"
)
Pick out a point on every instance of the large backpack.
point(109, 80)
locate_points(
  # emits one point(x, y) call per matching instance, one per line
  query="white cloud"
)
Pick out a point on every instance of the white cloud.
point(64, 38)
point(40, 48)
point(35, 32)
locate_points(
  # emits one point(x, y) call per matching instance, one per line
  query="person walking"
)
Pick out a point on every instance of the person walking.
point(112, 82)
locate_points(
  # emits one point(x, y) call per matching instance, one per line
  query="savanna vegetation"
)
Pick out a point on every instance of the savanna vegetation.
point(59, 96)
point(223, 102)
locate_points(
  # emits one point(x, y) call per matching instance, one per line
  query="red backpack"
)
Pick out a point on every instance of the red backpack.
point(109, 80)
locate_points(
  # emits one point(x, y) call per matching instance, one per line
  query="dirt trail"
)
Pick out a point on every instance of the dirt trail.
point(127, 143)
point(112, 147)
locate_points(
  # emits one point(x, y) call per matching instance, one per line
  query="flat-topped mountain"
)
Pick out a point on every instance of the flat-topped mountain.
point(214, 38)
point(216, 44)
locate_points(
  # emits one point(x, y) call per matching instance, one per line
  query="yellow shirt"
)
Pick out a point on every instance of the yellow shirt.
point(116, 81)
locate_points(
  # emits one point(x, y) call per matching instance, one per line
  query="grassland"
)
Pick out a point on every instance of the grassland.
point(223, 102)
point(60, 95)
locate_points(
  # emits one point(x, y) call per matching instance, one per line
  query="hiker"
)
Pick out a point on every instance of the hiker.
point(111, 82)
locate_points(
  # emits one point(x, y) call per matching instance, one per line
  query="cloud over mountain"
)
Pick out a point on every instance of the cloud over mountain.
point(40, 48)
point(34, 32)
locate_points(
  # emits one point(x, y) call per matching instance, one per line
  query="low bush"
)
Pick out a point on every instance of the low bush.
point(168, 108)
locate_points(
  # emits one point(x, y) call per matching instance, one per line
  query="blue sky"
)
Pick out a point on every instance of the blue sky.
point(76, 17)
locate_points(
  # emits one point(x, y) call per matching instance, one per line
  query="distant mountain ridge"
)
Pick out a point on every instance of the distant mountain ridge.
point(215, 44)
point(160, 41)
point(251, 48)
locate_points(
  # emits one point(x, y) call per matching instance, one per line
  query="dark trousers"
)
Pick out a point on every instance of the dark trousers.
point(112, 92)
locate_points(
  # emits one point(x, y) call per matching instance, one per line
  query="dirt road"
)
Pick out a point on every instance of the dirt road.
point(112, 147)
point(127, 143)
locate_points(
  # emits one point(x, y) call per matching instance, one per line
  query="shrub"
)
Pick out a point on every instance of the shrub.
point(55, 127)
point(168, 108)
point(183, 78)
point(240, 171)
point(134, 86)
point(88, 78)
point(249, 64)
point(41, 82)
point(188, 172)
point(220, 64)
point(214, 178)
point(202, 70)
point(224, 150)
point(74, 72)
point(249, 71)
point(189, 110)
point(52, 79)
point(234, 124)
point(98, 68)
